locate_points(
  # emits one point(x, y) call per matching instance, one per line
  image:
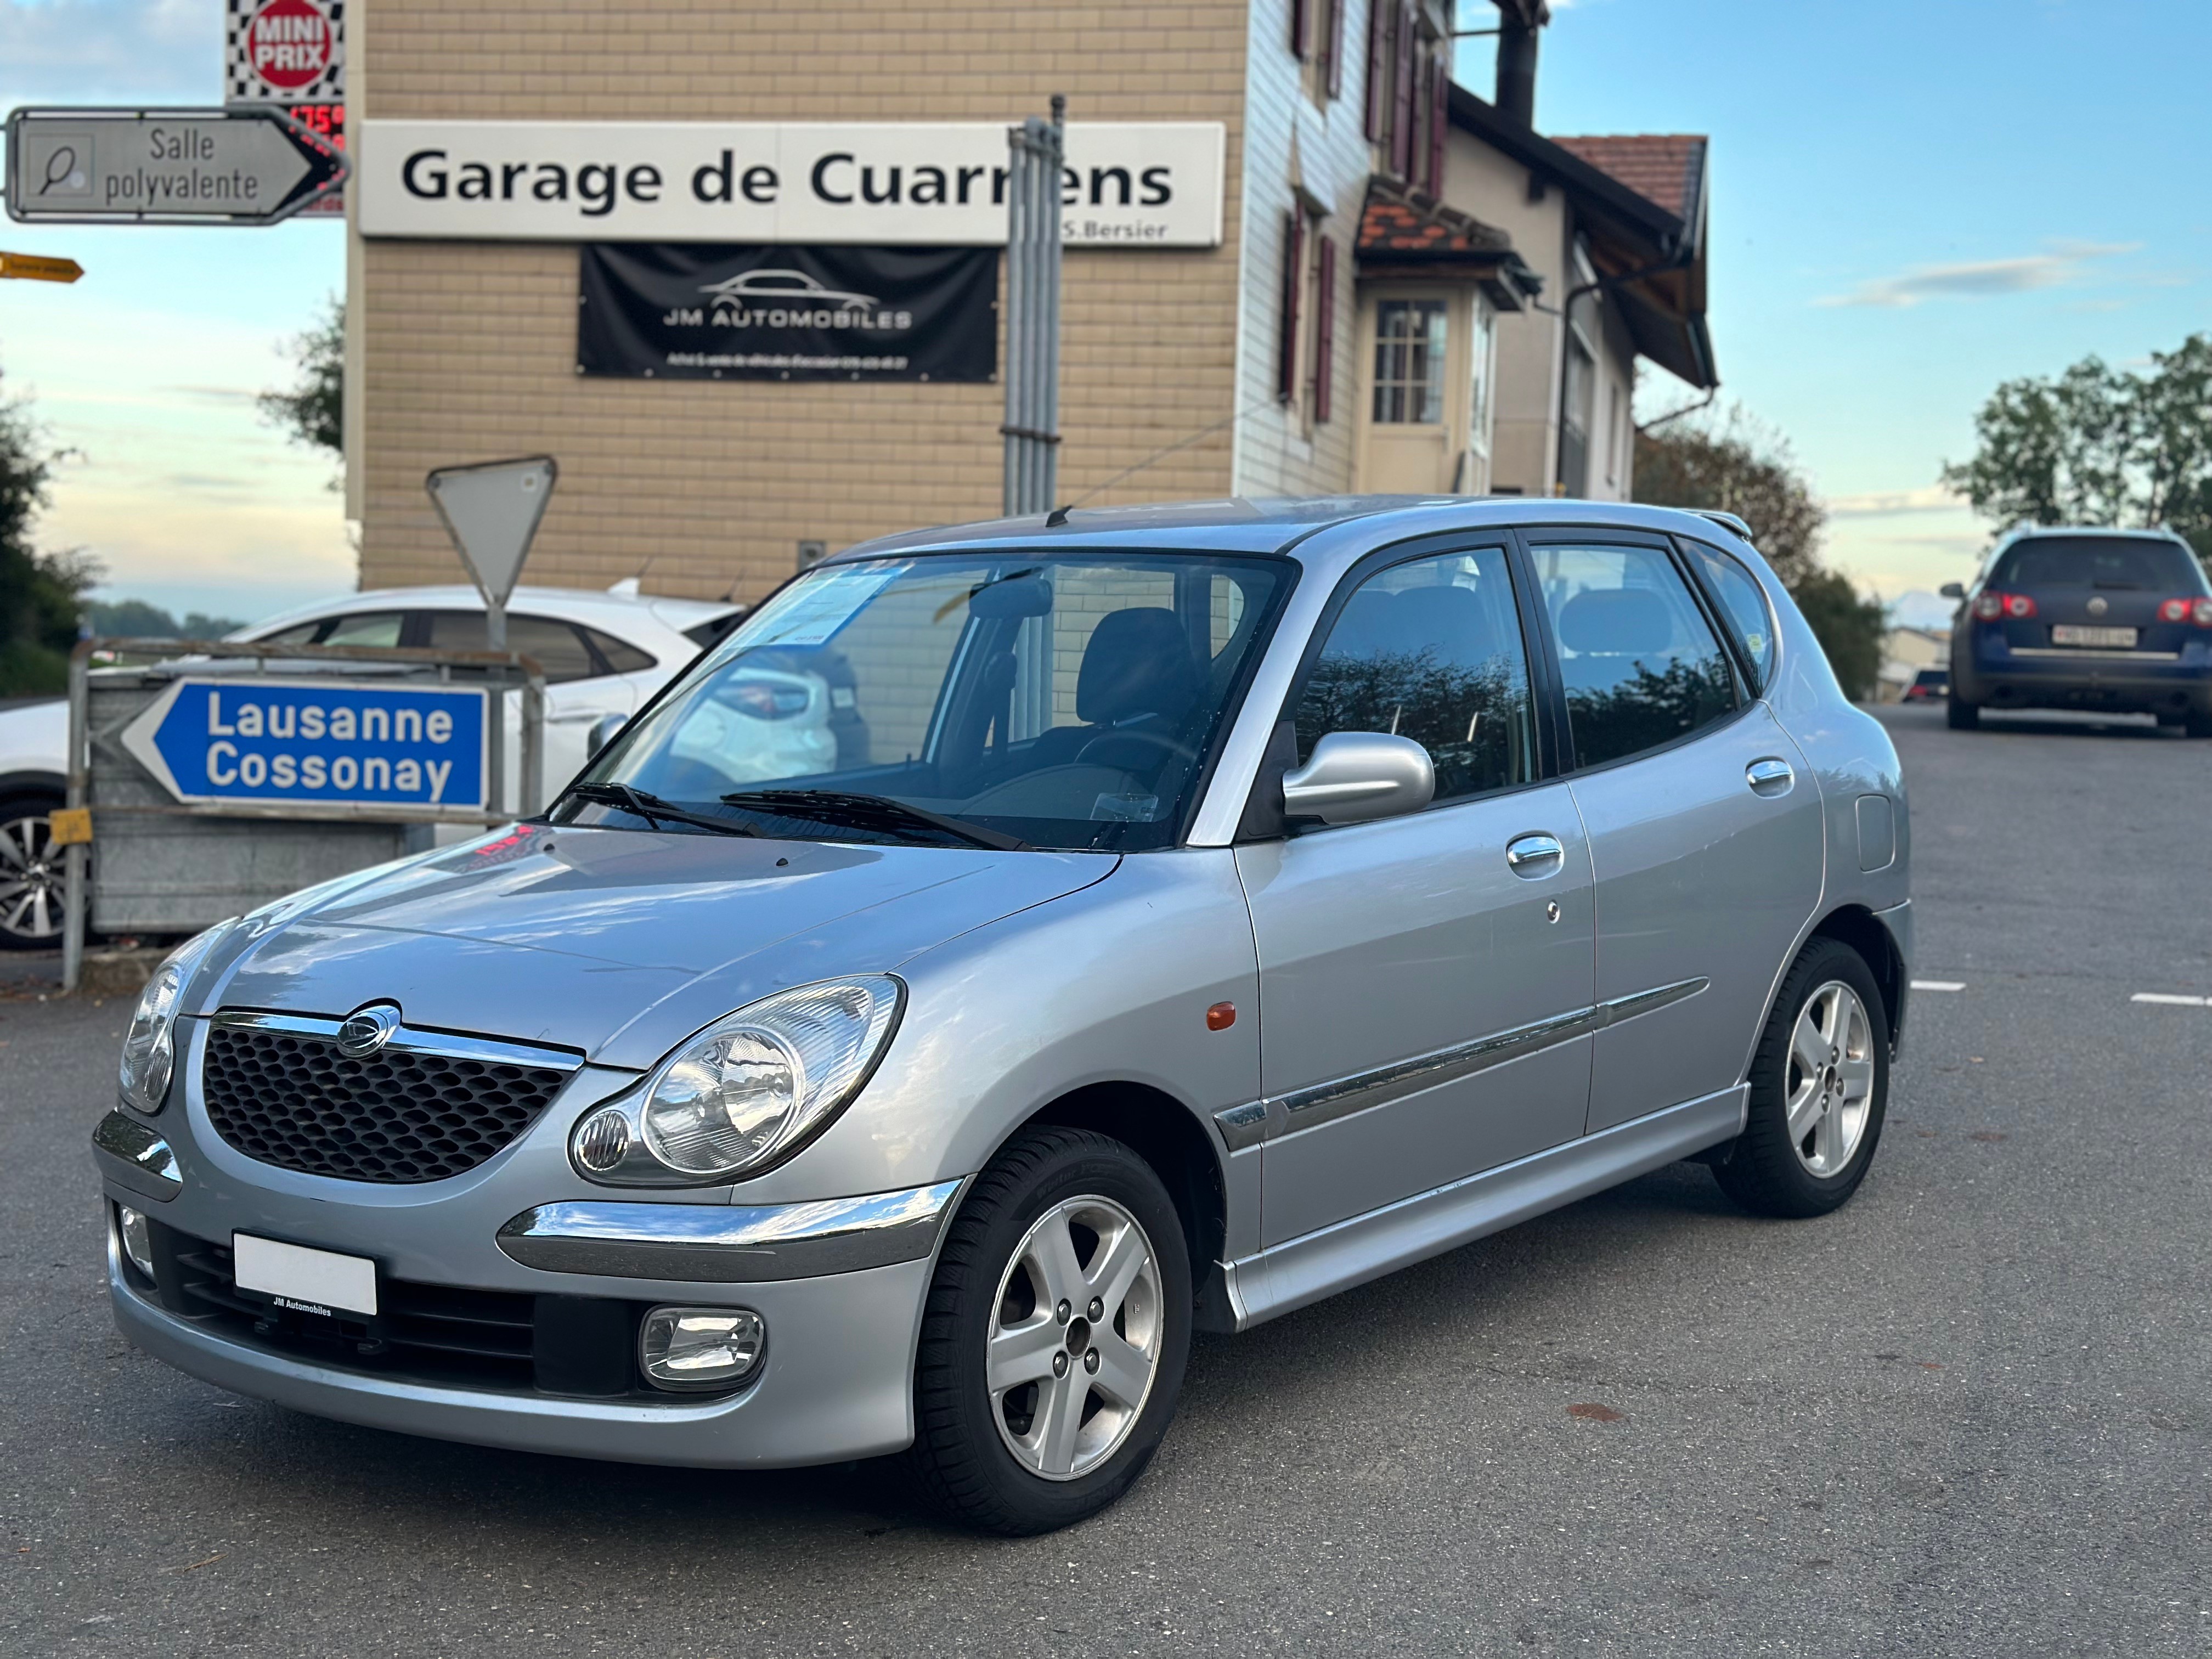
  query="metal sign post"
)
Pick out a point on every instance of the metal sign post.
point(1032, 426)
point(492, 511)
point(186, 166)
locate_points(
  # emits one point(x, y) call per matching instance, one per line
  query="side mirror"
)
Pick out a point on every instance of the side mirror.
point(605, 731)
point(1952, 590)
point(1354, 776)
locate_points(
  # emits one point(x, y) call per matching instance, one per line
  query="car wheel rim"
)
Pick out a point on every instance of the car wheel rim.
point(1074, 1338)
point(1829, 1092)
point(30, 879)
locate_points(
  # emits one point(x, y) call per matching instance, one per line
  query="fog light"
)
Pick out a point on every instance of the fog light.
point(137, 1243)
point(603, 1141)
point(700, 1347)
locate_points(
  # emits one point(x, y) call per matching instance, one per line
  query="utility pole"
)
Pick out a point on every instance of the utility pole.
point(1037, 149)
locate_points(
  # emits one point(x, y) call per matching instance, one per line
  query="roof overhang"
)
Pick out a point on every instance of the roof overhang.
point(1408, 233)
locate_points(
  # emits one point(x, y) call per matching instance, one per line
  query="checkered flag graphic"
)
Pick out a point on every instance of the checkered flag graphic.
point(241, 84)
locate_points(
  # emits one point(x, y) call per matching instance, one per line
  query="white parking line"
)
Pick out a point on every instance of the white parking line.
point(1939, 985)
point(2166, 1000)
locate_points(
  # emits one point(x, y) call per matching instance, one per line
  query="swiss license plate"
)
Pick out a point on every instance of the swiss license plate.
point(319, 1282)
point(2112, 639)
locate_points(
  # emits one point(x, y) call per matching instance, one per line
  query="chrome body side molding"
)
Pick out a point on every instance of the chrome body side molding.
point(409, 1039)
point(1300, 1271)
point(131, 1154)
point(1248, 1126)
point(730, 1244)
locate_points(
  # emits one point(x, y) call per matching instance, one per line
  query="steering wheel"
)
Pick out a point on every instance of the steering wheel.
point(1158, 741)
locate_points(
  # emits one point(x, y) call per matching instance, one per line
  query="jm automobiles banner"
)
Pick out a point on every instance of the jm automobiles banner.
point(716, 312)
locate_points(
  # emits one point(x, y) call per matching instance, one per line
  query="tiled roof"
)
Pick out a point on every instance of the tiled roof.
point(1660, 166)
point(1410, 224)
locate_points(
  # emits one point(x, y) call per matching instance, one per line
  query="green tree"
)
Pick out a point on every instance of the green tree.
point(313, 411)
point(136, 619)
point(1736, 464)
point(39, 593)
point(2095, 445)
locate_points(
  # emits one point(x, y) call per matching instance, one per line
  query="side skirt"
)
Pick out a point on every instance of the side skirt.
point(1290, 1275)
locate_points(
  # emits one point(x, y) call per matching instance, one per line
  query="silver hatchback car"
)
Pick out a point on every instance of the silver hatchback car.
point(1206, 909)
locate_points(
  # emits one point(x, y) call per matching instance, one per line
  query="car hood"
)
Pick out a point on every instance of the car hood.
point(617, 943)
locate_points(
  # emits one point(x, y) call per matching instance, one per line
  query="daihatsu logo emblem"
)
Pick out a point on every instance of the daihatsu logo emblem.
point(365, 1032)
point(2098, 606)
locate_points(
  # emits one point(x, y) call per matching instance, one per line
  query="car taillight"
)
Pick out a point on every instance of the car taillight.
point(2188, 609)
point(1992, 604)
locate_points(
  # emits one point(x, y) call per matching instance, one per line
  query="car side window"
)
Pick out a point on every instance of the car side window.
point(558, 648)
point(1745, 602)
point(380, 628)
point(1430, 650)
point(297, 633)
point(1640, 663)
point(619, 655)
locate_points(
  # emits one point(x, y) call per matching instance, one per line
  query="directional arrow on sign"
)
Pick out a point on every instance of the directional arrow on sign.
point(250, 166)
point(39, 267)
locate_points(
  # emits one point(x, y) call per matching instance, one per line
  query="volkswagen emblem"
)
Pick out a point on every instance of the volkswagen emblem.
point(368, 1030)
point(2098, 605)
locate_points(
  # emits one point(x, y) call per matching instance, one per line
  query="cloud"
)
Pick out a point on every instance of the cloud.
point(1980, 279)
point(1929, 498)
point(61, 49)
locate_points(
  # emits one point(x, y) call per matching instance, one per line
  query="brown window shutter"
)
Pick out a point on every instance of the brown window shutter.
point(1300, 31)
point(1439, 122)
point(1324, 324)
point(1331, 42)
point(1294, 262)
point(1401, 101)
point(1379, 13)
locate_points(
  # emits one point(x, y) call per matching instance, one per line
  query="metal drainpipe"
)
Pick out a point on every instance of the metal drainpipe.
point(1037, 150)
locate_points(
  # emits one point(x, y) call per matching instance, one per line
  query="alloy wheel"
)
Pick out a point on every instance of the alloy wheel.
point(1829, 1090)
point(31, 881)
point(1074, 1338)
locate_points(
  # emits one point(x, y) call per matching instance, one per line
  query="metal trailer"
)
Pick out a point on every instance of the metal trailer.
point(166, 866)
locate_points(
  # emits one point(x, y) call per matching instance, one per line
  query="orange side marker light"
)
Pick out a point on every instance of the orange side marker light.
point(1221, 1016)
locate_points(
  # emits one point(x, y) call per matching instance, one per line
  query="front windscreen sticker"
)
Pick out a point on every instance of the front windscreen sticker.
point(809, 612)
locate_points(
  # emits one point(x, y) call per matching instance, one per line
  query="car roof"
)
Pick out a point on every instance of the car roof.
point(2095, 532)
point(1285, 525)
point(617, 613)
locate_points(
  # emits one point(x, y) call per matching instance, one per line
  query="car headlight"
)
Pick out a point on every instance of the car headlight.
point(745, 1092)
point(149, 1047)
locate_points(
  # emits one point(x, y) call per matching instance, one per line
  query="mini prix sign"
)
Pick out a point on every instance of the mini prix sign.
point(315, 742)
point(283, 52)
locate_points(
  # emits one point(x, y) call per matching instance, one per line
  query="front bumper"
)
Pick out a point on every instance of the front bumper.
point(839, 1285)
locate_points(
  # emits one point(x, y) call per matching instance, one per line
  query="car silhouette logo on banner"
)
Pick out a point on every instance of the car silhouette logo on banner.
point(788, 286)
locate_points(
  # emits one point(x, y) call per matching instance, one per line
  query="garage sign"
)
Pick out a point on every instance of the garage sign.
point(314, 742)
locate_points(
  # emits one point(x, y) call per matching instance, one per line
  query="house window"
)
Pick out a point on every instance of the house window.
point(1410, 338)
point(1408, 77)
point(1575, 423)
point(1317, 42)
point(1613, 435)
point(1483, 366)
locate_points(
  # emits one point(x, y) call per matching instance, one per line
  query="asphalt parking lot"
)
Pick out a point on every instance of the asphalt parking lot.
point(1970, 1414)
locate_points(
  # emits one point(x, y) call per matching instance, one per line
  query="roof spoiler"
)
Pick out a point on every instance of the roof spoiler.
point(1725, 521)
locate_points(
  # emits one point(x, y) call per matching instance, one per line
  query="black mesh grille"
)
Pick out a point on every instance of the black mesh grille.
point(396, 1117)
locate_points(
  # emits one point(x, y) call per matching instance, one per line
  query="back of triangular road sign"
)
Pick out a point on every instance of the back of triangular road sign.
point(492, 511)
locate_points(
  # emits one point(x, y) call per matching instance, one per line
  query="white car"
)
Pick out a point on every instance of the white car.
point(602, 654)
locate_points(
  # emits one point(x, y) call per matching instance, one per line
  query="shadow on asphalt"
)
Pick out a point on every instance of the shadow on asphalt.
point(1501, 1288)
point(2047, 723)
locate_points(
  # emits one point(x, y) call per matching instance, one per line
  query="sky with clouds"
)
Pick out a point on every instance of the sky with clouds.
point(1912, 201)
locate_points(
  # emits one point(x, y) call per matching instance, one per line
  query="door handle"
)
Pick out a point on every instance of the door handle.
point(1532, 857)
point(1769, 777)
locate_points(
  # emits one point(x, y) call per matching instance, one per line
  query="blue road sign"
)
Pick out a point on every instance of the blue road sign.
point(315, 742)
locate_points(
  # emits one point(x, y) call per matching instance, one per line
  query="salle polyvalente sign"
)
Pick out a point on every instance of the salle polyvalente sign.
point(314, 743)
point(1126, 183)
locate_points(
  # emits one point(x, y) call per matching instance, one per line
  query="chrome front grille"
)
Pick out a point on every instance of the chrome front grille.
point(423, 1106)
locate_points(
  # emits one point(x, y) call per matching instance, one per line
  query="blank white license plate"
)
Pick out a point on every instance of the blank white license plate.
point(2112, 639)
point(310, 1281)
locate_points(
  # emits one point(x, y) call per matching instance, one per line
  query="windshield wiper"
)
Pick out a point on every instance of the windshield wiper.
point(871, 812)
point(639, 804)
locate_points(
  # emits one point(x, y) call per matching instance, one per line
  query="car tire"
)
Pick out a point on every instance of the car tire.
point(1814, 1119)
point(1962, 716)
point(31, 893)
point(1058, 1443)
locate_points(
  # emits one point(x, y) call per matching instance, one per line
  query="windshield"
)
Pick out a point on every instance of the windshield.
point(1064, 701)
point(2097, 562)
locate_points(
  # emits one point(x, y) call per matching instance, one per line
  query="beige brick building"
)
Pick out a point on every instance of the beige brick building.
point(1247, 367)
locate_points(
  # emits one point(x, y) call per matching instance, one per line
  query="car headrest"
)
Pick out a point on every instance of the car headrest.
point(1616, 622)
point(1138, 662)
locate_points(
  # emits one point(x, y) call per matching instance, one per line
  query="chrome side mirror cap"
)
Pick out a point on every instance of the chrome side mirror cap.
point(1356, 776)
point(1952, 590)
